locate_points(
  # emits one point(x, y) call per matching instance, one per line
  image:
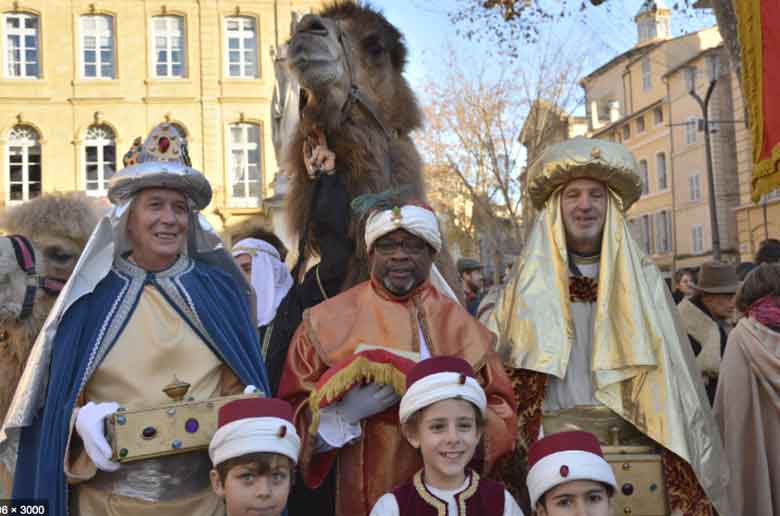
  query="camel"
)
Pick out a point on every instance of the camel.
point(58, 227)
point(349, 61)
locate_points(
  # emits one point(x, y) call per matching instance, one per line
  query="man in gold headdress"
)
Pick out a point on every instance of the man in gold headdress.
point(592, 338)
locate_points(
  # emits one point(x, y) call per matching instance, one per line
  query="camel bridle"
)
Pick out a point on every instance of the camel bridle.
point(356, 97)
point(25, 258)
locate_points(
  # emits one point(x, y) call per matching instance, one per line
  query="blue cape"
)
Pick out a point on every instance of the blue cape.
point(205, 296)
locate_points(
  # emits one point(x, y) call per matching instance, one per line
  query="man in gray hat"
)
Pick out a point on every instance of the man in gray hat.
point(154, 297)
point(470, 272)
point(707, 317)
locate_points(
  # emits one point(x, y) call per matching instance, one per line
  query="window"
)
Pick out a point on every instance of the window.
point(690, 78)
point(645, 233)
point(647, 80)
point(241, 38)
point(97, 47)
point(168, 45)
point(694, 189)
point(690, 130)
point(99, 159)
point(663, 232)
point(21, 45)
point(697, 238)
point(660, 170)
point(644, 176)
point(626, 132)
point(640, 125)
point(245, 164)
point(658, 116)
point(713, 67)
point(24, 164)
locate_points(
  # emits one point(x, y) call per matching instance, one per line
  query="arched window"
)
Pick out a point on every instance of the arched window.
point(99, 158)
point(24, 164)
point(245, 164)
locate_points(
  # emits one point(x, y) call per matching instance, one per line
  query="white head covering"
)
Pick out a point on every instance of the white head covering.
point(440, 378)
point(254, 425)
point(565, 457)
point(270, 277)
point(416, 220)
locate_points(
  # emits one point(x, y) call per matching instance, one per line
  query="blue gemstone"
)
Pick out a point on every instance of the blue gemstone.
point(121, 420)
point(176, 444)
point(149, 432)
point(653, 487)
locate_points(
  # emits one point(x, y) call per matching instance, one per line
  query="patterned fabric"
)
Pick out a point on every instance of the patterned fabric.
point(529, 388)
point(482, 497)
point(583, 289)
point(766, 311)
point(683, 490)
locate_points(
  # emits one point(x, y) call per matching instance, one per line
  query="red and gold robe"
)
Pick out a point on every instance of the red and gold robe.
point(367, 314)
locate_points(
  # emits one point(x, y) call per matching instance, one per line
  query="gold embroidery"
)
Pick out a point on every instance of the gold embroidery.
point(467, 493)
point(419, 485)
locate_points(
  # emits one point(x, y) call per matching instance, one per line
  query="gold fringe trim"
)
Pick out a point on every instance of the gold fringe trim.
point(766, 176)
point(361, 369)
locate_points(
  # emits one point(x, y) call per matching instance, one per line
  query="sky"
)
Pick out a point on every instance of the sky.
point(603, 33)
point(595, 36)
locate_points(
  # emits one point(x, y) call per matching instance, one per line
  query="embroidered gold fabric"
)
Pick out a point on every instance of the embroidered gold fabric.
point(642, 364)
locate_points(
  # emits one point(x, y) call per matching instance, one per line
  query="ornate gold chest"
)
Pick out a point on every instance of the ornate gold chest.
point(179, 427)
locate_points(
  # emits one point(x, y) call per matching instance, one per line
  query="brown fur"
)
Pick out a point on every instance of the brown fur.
point(362, 151)
point(56, 224)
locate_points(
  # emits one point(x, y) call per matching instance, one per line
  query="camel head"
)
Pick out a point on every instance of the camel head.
point(349, 45)
point(13, 282)
point(58, 227)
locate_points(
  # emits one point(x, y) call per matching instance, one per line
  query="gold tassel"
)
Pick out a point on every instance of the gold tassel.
point(361, 369)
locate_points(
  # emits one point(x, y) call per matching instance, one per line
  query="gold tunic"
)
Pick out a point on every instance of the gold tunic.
point(155, 345)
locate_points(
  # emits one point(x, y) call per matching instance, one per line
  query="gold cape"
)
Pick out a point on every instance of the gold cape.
point(642, 362)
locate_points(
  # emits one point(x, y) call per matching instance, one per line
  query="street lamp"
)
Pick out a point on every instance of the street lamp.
point(704, 104)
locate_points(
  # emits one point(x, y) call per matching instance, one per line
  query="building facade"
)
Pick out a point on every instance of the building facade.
point(82, 79)
point(640, 98)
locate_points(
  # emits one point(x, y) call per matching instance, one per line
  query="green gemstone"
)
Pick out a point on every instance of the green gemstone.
point(123, 453)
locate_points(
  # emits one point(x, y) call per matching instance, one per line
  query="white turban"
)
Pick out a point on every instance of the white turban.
point(438, 387)
point(254, 435)
point(416, 220)
point(270, 277)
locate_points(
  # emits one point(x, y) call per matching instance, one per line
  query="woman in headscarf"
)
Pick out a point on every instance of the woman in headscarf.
point(263, 266)
point(747, 403)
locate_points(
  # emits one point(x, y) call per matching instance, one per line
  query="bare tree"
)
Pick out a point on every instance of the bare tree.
point(474, 121)
point(513, 23)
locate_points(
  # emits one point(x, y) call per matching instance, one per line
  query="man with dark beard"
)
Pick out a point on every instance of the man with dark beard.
point(398, 310)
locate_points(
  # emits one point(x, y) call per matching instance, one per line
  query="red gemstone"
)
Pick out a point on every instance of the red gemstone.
point(564, 471)
point(164, 143)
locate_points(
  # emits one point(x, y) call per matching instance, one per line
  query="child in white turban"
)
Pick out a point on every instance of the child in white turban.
point(443, 415)
point(254, 452)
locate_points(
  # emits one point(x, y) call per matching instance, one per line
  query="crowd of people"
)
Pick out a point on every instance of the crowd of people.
point(390, 397)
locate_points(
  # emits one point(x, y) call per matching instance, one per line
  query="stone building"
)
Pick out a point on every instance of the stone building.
point(81, 79)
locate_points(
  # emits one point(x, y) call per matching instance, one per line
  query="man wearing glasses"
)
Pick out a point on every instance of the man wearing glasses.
point(396, 309)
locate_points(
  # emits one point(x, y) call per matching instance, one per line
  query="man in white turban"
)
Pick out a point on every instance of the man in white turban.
point(264, 269)
point(399, 310)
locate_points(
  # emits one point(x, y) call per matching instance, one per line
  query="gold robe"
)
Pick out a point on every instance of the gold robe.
point(367, 314)
point(155, 344)
point(641, 362)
